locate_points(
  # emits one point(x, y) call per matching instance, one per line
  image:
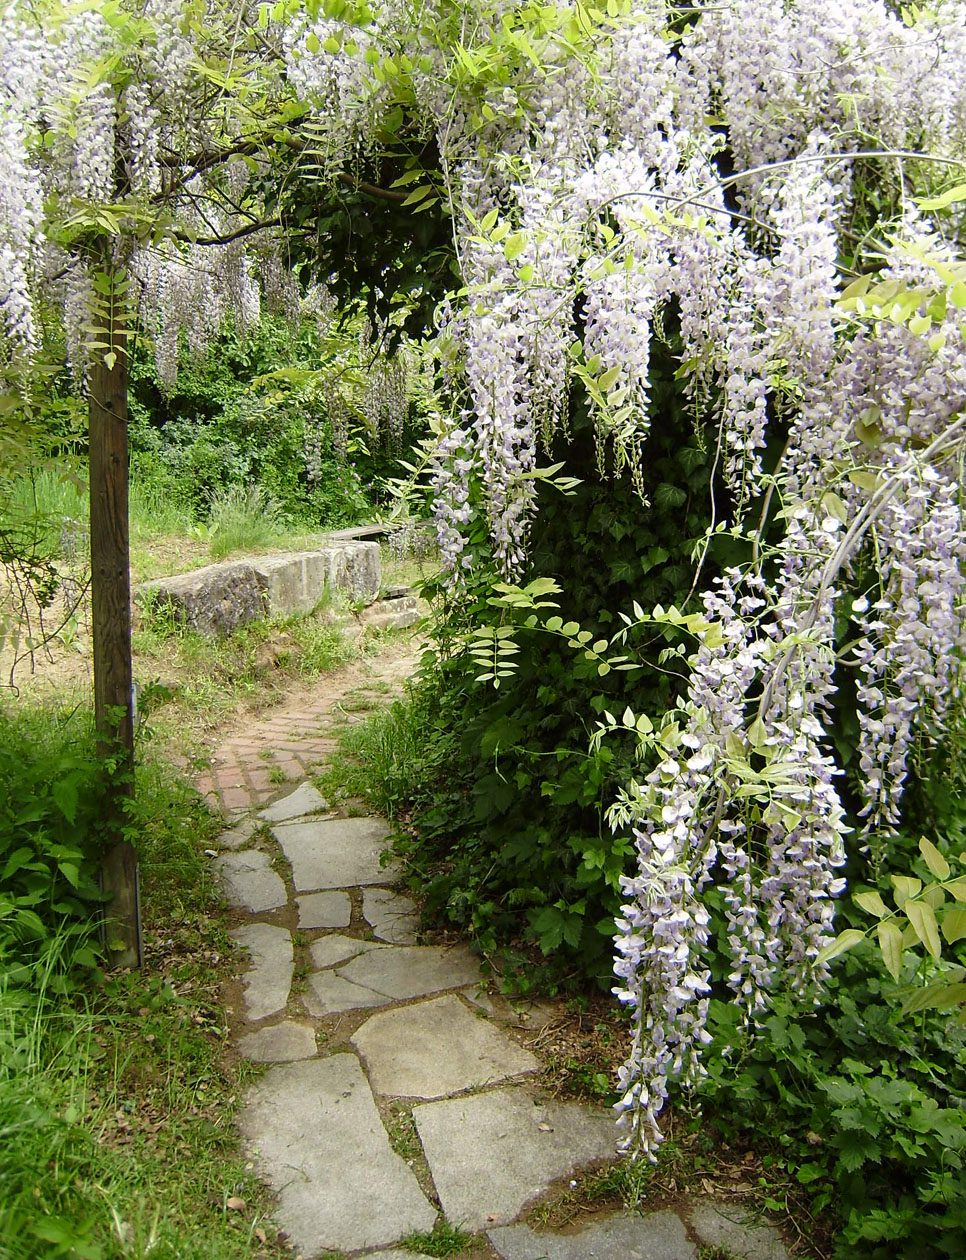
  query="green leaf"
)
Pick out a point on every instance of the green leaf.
point(514, 246)
point(890, 943)
point(809, 1172)
point(871, 903)
point(844, 941)
point(923, 919)
point(64, 793)
point(938, 996)
point(906, 886)
point(946, 199)
point(954, 925)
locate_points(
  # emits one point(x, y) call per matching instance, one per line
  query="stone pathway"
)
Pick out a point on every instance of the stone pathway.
point(395, 1090)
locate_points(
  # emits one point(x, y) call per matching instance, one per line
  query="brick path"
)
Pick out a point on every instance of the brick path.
point(286, 745)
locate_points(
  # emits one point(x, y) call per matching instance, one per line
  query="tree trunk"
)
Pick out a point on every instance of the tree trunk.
point(111, 617)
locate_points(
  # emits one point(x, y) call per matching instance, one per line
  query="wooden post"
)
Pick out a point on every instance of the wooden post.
point(111, 624)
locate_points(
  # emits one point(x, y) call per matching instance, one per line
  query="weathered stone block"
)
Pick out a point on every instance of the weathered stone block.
point(213, 600)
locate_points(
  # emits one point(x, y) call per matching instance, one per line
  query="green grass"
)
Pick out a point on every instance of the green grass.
point(381, 758)
point(445, 1240)
point(205, 680)
point(116, 1099)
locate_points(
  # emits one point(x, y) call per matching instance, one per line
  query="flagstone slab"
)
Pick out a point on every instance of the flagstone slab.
point(410, 971)
point(238, 836)
point(436, 1048)
point(317, 1139)
point(731, 1228)
point(491, 1153)
point(279, 1043)
point(327, 993)
point(304, 800)
point(624, 1236)
point(269, 977)
point(324, 910)
point(391, 916)
point(335, 948)
point(249, 881)
point(335, 852)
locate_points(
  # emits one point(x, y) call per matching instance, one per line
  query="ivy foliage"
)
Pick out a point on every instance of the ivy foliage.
point(512, 842)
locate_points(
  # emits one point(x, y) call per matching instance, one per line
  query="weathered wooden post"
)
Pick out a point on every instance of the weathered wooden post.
point(111, 613)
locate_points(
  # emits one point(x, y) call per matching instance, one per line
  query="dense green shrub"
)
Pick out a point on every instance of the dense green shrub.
point(243, 416)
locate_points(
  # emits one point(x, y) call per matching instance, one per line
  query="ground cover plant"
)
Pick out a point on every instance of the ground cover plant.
point(115, 1095)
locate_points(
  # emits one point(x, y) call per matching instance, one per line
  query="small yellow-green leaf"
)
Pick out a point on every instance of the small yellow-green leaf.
point(515, 244)
point(940, 995)
point(890, 943)
point(934, 859)
point(865, 480)
point(923, 919)
point(857, 288)
point(844, 941)
point(906, 886)
point(954, 925)
point(946, 199)
point(871, 903)
point(835, 507)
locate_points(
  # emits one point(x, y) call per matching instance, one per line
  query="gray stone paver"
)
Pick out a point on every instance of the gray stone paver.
point(335, 852)
point(324, 910)
point(279, 1043)
point(624, 1236)
point(391, 916)
point(410, 971)
point(328, 993)
point(317, 1138)
point(335, 948)
point(733, 1229)
point(269, 977)
point(238, 836)
point(436, 1048)
point(491, 1153)
point(304, 800)
point(250, 883)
